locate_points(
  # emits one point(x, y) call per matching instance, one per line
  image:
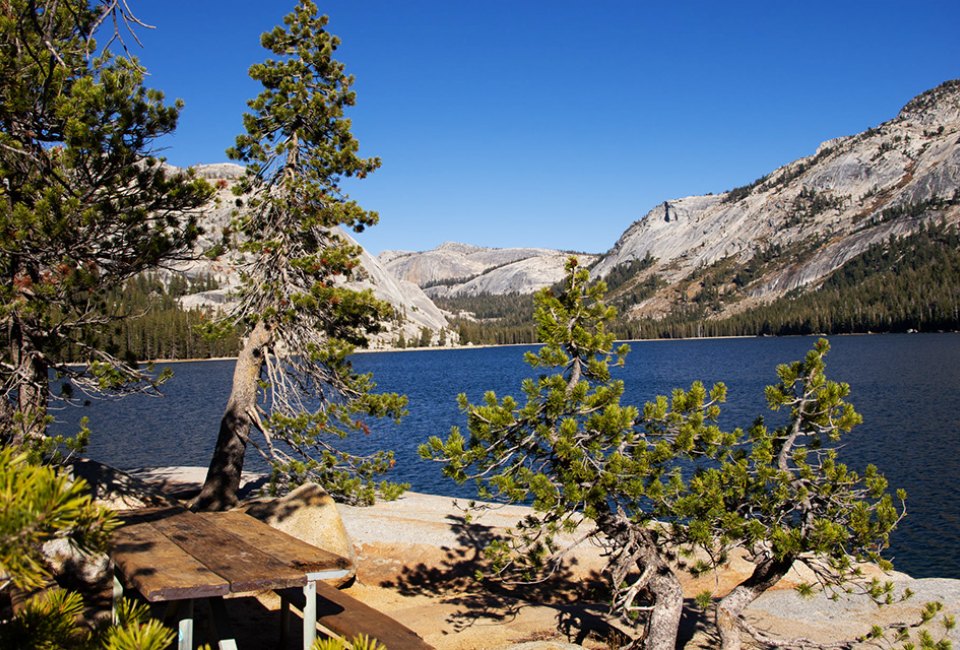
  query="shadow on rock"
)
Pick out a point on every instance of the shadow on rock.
point(579, 598)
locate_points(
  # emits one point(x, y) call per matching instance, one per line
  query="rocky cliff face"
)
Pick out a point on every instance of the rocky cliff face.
point(807, 218)
point(454, 269)
point(416, 309)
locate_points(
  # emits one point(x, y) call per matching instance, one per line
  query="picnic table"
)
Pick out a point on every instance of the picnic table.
point(170, 554)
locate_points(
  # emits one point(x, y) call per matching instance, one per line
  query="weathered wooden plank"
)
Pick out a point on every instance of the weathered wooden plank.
point(241, 564)
point(346, 616)
point(141, 515)
point(294, 552)
point(159, 569)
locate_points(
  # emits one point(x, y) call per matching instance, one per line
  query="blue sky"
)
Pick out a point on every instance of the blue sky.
point(558, 124)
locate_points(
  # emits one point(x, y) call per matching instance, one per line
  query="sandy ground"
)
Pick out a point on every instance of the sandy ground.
point(416, 560)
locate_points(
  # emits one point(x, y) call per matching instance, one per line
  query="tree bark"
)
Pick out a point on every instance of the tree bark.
point(667, 593)
point(219, 491)
point(640, 546)
point(32, 386)
point(765, 574)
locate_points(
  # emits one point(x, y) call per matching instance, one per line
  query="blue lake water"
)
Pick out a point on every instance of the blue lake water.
point(907, 387)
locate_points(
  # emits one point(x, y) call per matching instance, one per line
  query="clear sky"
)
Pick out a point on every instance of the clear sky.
point(557, 123)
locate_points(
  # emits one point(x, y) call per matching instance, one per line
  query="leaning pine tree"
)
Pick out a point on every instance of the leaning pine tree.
point(293, 381)
point(579, 457)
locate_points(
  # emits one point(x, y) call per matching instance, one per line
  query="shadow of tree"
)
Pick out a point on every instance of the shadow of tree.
point(695, 621)
point(579, 597)
point(116, 487)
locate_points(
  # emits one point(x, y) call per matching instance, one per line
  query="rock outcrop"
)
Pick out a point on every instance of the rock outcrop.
point(816, 213)
point(309, 514)
point(416, 310)
point(454, 269)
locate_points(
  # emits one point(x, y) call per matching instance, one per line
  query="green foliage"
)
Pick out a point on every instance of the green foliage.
point(135, 630)
point(293, 257)
point(425, 337)
point(742, 192)
point(923, 634)
point(83, 205)
point(809, 203)
point(39, 503)
point(359, 642)
point(159, 328)
point(784, 494)
point(52, 620)
point(573, 452)
point(493, 319)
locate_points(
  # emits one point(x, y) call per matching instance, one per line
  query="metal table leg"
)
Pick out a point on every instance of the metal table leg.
point(309, 614)
point(185, 627)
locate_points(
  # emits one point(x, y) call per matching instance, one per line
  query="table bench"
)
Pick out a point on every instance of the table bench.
point(170, 554)
point(345, 616)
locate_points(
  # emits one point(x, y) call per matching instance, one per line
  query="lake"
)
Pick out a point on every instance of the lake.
point(907, 387)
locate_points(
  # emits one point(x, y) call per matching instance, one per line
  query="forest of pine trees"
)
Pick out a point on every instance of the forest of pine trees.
point(161, 328)
point(905, 284)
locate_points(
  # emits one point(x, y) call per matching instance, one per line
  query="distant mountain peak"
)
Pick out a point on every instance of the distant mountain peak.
point(453, 269)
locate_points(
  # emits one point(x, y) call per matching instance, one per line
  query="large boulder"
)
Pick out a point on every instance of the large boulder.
point(309, 514)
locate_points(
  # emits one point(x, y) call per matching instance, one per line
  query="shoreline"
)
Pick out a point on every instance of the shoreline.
point(484, 346)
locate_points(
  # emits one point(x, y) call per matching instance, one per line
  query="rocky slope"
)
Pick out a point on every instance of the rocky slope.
point(804, 220)
point(454, 269)
point(416, 309)
point(788, 230)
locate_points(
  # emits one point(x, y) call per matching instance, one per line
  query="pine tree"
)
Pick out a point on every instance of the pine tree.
point(299, 321)
point(580, 456)
point(783, 495)
point(667, 479)
point(83, 205)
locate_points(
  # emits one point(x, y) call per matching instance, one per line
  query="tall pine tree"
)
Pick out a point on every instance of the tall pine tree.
point(293, 381)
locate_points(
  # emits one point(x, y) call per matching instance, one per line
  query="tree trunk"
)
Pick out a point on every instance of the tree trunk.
point(219, 490)
point(638, 546)
point(32, 386)
point(667, 593)
point(765, 574)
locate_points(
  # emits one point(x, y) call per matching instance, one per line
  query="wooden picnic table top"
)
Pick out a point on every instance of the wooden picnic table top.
point(170, 553)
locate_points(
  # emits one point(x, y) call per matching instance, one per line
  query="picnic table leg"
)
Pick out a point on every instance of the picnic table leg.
point(309, 614)
point(117, 596)
point(185, 627)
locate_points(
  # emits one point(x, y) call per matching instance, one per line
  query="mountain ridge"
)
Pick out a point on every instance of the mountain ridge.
point(721, 253)
point(455, 269)
point(838, 195)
